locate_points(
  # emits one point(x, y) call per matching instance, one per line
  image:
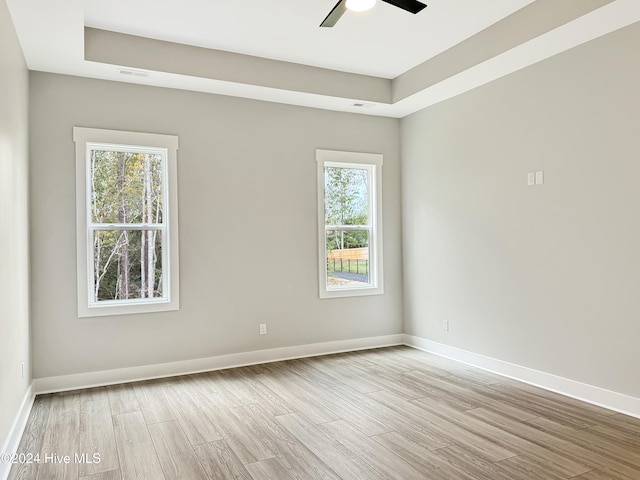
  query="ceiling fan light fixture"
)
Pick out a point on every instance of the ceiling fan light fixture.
point(360, 5)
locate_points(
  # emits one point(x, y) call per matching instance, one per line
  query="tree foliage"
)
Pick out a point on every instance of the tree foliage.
point(346, 203)
point(126, 197)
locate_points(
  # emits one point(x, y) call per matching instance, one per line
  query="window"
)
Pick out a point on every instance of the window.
point(349, 223)
point(127, 222)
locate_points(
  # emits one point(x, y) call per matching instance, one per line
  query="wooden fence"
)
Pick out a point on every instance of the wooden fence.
point(349, 260)
point(350, 254)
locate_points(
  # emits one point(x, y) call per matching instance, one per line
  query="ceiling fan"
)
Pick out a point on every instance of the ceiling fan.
point(413, 6)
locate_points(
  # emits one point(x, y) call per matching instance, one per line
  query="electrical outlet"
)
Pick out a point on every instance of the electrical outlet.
point(263, 329)
point(445, 325)
point(531, 178)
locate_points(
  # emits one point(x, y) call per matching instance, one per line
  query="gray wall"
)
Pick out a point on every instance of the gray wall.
point(14, 222)
point(248, 247)
point(546, 277)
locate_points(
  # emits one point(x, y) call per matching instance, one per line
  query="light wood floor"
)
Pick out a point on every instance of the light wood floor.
point(392, 413)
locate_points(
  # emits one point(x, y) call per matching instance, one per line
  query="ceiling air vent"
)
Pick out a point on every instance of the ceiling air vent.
point(133, 73)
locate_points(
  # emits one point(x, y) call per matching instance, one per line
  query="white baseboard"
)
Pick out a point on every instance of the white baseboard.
point(581, 391)
point(186, 367)
point(12, 442)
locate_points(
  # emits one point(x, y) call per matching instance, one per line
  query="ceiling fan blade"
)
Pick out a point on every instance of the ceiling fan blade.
point(335, 14)
point(412, 6)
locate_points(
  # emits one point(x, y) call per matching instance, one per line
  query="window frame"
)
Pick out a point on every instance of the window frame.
point(87, 139)
point(373, 162)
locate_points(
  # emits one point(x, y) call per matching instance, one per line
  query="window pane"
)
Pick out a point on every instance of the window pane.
point(347, 258)
point(127, 264)
point(346, 196)
point(126, 187)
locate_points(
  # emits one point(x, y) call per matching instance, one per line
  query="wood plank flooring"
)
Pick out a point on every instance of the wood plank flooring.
point(384, 414)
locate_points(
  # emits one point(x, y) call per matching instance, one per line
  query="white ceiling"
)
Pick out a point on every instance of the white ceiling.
point(384, 42)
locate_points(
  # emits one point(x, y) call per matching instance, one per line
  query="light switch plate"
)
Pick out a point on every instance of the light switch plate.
point(539, 177)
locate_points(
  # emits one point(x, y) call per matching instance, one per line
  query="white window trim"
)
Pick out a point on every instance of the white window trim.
point(375, 241)
point(150, 141)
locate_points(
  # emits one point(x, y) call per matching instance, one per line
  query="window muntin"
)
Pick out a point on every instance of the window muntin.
point(350, 241)
point(126, 221)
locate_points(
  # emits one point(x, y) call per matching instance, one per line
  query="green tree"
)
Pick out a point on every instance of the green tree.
point(126, 189)
point(346, 203)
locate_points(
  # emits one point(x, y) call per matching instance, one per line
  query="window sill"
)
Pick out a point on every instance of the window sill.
point(351, 292)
